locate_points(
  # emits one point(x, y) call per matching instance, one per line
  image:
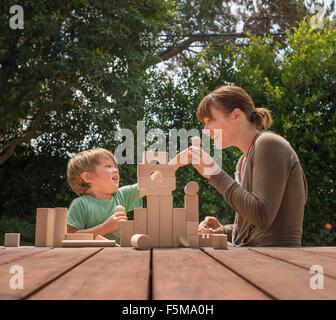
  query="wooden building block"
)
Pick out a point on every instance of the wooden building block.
point(159, 156)
point(153, 220)
point(166, 183)
point(159, 191)
point(166, 221)
point(44, 228)
point(87, 243)
point(179, 225)
point(99, 237)
point(184, 242)
point(205, 240)
point(219, 241)
point(126, 232)
point(60, 226)
point(12, 240)
point(141, 241)
point(79, 236)
point(192, 208)
point(145, 170)
point(191, 188)
point(140, 221)
point(192, 233)
point(119, 208)
point(194, 241)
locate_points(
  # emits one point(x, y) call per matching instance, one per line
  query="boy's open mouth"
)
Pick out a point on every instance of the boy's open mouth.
point(115, 178)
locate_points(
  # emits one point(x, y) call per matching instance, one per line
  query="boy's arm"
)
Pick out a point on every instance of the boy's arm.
point(97, 230)
point(109, 226)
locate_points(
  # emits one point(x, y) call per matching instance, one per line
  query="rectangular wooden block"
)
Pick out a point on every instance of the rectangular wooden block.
point(192, 208)
point(126, 232)
point(12, 240)
point(166, 221)
point(205, 240)
point(99, 237)
point(145, 170)
point(219, 241)
point(79, 236)
point(44, 228)
point(159, 191)
point(60, 226)
point(87, 243)
point(179, 225)
point(192, 233)
point(166, 183)
point(140, 221)
point(153, 219)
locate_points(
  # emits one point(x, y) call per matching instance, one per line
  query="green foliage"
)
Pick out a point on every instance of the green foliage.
point(69, 46)
point(296, 80)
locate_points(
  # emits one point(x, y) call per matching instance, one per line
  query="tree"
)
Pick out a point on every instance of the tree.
point(78, 65)
point(297, 83)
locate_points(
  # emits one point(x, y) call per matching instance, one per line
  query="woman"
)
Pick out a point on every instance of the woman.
point(270, 190)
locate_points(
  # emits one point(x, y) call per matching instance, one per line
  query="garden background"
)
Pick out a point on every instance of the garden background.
point(80, 70)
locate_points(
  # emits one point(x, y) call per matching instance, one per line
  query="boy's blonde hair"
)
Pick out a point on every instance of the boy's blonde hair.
point(85, 161)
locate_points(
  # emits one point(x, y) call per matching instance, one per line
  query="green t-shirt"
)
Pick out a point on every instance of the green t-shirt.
point(87, 212)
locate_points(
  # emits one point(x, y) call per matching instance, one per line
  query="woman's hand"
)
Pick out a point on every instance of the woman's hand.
point(181, 159)
point(203, 162)
point(213, 223)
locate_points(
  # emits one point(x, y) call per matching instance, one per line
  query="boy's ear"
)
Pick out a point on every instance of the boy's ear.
point(86, 177)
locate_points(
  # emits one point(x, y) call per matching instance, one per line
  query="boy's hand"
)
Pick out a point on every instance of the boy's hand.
point(113, 223)
point(211, 222)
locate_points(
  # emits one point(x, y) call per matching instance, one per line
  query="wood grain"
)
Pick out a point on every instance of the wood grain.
point(40, 269)
point(119, 273)
point(301, 258)
point(279, 279)
point(191, 274)
point(12, 254)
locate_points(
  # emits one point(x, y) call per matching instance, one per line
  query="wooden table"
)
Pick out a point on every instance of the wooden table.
point(126, 273)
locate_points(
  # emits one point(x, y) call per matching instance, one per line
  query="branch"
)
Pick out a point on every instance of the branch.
point(11, 146)
point(32, 133)
point(174, 51)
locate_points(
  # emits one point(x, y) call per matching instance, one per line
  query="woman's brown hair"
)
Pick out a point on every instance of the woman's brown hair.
point(227, 98)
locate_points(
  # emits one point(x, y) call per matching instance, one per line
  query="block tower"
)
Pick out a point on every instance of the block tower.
point(165, 225)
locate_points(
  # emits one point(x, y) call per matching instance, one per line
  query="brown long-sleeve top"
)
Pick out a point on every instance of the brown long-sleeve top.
point(269, 201)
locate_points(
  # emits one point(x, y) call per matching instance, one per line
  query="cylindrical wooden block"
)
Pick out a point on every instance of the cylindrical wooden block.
point(141, 241)
point(219, 241)
point(60, 226)
point(191, 188)
point(119, 209)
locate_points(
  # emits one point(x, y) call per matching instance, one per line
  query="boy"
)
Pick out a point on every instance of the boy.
point(93, 175)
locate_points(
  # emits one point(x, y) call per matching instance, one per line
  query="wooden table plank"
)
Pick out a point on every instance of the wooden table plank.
point(279, 279)
point(191, 274)
point(301, 258)
point(324, 251)
point(113, 273)
point(12, 254)
point(41, 268)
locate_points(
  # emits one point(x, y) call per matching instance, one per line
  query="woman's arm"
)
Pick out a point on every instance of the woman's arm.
point(270, 172)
